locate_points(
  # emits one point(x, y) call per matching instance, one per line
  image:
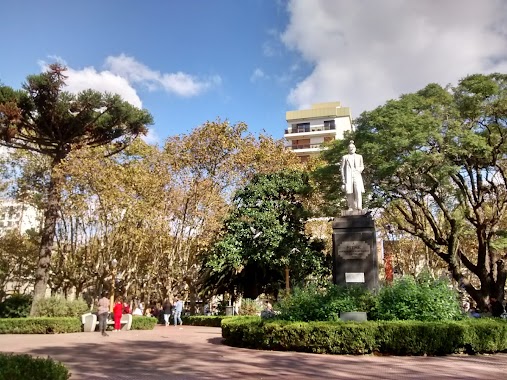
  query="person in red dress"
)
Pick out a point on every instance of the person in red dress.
point(117, 313)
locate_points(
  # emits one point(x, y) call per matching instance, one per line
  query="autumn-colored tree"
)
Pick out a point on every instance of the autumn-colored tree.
point(44, 118)
point(208, 165)
point(18, 260)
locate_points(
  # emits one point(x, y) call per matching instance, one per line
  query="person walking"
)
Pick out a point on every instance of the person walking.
point(117, 313)
point(177, 309)
point(167, 311)
point(103, 312)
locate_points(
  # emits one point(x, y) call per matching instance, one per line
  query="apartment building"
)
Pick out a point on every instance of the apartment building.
point(18, 216)
point(307, 130)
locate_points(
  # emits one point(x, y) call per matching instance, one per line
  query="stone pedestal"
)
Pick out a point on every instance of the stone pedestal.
point(355, 250)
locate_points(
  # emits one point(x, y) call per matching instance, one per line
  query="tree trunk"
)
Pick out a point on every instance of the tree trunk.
point(47, 239)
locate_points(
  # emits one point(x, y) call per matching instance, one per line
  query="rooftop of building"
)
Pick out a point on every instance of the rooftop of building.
point(319, 110)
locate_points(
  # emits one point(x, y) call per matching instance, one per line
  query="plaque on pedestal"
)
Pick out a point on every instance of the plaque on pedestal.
point(355, 250)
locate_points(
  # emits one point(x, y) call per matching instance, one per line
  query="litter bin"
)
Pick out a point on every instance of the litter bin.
point(229, 310)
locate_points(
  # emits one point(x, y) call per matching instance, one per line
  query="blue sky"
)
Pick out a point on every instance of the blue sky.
point(251, 60)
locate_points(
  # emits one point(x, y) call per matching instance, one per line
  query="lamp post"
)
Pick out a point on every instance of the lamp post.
point(114, 262)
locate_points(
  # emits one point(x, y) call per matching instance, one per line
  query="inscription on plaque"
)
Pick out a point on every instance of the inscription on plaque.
point(354, 277)
point(353, 250)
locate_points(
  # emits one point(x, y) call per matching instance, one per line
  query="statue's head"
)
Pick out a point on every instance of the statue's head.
point(352, 147)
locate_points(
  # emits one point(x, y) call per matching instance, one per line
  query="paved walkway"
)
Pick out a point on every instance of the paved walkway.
point(196, 352)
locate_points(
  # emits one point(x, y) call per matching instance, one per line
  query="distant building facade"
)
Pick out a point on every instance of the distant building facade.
point(18, 216)
point(307, 130)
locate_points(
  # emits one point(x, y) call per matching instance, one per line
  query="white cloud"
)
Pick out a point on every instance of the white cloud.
point(151, 137)
point(179, 83)
point(104, 81)
point(257, 74)
point(366, 52)
point(89, 78)
point(123, 73)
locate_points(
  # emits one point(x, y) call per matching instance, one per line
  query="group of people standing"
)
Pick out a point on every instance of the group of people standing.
point(175, 310)
point(120, 307)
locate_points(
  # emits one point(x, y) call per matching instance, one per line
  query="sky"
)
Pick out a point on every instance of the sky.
point(193, 61)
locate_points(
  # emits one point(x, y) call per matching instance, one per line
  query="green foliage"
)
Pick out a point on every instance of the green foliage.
point(313, 303)
point(16, 306)
point(204, 320)
point(143, 323)
point(422, 298)
point(40, 325)
point(385, 337)
point(486, 335)
point(435, 162)
point(263, 235)
point(249, 307)
point(60, 307)
point(21, 367)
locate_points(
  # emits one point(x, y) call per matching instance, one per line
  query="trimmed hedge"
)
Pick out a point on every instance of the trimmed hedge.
point(143, 323)
point(387, 337)
point(21, 367)
point(204, 320)
point(40, 325)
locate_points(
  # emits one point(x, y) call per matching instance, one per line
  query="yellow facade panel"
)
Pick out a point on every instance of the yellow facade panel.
point(331, 112)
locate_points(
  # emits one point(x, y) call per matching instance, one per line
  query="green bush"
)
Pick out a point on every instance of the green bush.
point(22, 367)
point(385, 337)
point(324, 304)
point(60, 307)
point(143, 323)
point(423, 298)
point(39, 325)
point(204, 320)
point(16, 306)
point(249, 307)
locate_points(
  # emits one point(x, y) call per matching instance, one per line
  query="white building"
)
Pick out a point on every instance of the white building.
point(18, 216)
point(307, 130)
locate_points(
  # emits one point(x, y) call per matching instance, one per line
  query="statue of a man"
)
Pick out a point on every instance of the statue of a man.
point(351, 168)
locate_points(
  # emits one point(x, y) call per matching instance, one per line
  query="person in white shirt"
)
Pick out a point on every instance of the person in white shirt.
point(177, 309)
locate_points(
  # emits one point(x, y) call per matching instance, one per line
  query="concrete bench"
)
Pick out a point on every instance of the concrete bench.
point(90, 322)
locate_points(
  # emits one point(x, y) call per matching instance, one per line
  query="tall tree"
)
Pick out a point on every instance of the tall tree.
point(264, 235)
point(44, 118)
point(438, 156)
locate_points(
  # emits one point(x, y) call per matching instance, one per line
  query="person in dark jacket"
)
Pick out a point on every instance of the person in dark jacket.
point(167, 311)
point(496, 307)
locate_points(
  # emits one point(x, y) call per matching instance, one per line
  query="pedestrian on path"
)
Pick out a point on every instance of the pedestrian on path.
point(103, 313)
point(177, 309)
point(117, 313)
point(167, 311)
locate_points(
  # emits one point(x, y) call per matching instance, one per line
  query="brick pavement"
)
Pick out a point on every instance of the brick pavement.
point(196, 353)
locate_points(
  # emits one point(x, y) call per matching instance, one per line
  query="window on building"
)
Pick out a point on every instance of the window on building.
point(303, 127)
point(329, 124)
point(301, 144)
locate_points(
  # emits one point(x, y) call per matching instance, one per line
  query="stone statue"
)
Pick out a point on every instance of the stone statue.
point(351, 169)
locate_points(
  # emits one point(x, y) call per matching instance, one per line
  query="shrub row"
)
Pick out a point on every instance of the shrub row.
point(387, 337)
point(143, 323)
point(204, 320)
point(39, 325)
point(21, 367)
point(58, 325)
